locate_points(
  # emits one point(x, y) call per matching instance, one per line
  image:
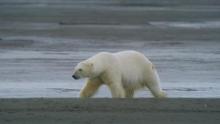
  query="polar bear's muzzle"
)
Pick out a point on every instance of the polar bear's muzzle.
point(75, 77)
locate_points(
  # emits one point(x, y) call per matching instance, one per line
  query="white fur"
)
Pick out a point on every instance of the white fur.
point(123, 72)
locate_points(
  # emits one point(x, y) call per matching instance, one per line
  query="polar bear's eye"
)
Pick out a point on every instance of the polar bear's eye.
point(80, 69)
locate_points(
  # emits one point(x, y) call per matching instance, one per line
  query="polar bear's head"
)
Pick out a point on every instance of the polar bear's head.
point(83, 70)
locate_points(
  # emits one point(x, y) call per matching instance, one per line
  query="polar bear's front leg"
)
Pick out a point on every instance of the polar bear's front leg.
point(90, 88)
point(117, 90)
point(112, 79)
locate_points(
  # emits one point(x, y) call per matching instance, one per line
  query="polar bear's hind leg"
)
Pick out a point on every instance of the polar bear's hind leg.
point(129, 93)
point(153, 83)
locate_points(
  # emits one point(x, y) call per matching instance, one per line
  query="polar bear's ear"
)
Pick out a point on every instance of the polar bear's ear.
point(91, 64)
point(88, 64)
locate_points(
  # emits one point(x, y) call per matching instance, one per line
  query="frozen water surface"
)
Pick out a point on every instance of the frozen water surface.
point(186, 70)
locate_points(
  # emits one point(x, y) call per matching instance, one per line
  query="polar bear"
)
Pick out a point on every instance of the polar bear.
point(123, 72)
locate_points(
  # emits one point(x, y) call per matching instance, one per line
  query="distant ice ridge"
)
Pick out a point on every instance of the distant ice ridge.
point(196, 25)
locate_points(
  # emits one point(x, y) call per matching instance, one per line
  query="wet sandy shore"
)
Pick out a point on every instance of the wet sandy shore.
point(116, 111)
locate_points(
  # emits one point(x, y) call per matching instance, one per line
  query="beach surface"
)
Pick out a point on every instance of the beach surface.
point(106, 111)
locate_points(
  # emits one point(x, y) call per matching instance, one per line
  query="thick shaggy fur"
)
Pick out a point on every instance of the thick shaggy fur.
point(123, 72)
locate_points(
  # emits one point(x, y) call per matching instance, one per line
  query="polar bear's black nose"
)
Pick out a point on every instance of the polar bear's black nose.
point(75, 77)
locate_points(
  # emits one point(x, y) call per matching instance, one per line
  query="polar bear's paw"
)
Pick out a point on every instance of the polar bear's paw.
point(162, 94)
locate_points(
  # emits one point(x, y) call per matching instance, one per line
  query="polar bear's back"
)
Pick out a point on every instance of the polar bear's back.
point(134, 66)
point(132, 59)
